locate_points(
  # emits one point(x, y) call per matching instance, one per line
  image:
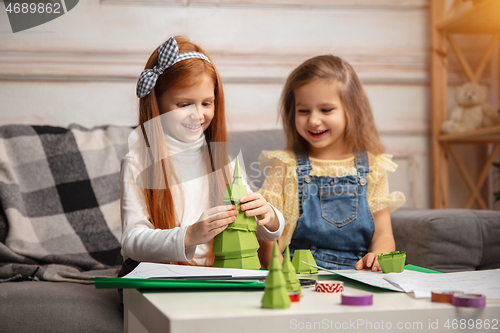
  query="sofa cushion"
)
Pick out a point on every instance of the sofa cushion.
point(4, 227)
point(58, 307)
point(59, 191)
point(448, 239)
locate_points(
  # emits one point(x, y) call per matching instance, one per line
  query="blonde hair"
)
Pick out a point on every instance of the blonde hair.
point(183, 74)
point(360, 132)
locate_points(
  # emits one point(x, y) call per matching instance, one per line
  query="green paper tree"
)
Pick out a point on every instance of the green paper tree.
point(292, 281)
point(237, 245)
point(304, 255)
point(275, 293)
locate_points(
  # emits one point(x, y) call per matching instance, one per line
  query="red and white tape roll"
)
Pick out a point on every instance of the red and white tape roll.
point(329, 286)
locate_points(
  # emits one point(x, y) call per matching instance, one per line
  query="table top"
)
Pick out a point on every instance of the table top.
point(242, 312)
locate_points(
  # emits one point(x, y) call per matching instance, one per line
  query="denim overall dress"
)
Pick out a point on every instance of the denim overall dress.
point(335, 221)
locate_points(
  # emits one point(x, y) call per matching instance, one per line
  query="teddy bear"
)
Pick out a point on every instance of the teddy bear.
point(472, 110)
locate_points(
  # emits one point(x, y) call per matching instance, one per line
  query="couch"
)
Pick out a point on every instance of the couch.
point(59, 225)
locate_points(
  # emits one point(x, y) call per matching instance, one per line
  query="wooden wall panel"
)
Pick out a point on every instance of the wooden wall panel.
point(61, 103)
point(82, 68)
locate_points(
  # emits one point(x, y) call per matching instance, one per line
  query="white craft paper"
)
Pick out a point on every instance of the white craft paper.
point(470, 282)
point(375, 279)
point(147, 270)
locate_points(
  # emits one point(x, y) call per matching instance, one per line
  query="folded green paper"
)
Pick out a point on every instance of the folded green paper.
point(174, 284)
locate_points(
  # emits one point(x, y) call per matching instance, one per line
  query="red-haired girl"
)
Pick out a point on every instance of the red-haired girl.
point(330, 182)
point(173, 178)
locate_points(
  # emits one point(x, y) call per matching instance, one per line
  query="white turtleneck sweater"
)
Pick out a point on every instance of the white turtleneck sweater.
point(140, 240)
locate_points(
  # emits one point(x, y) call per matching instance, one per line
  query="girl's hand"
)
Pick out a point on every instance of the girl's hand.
point(369, 261)
point(211, 223)
point(382, 241)
point(254, 204)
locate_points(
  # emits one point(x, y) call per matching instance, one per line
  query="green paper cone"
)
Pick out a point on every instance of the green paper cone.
point(275, 294)
point(300, 267)
point(242, 263)
point(392, 262)
point(292, 281)
point(237, 245)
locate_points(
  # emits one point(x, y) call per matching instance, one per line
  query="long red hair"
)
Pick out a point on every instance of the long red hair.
point(186, 73)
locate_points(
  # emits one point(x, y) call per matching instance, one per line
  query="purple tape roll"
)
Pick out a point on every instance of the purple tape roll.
point(469, 300)
point(366, 299)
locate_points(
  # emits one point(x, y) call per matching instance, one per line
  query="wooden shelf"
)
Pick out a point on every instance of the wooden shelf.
point(482, 135)
point(483, 18)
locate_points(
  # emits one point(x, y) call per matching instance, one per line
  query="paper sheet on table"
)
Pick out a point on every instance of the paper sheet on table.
point(147, 270)
point(375, 279)
point(475, 282)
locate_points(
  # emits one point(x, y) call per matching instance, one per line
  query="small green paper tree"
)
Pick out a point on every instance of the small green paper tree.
point(237, 245)
point(300, 267)
point(292, 281)
point(275, 294)
point(392, 262)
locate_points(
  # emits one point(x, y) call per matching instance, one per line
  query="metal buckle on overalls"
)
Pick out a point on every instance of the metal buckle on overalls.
point(307, 179)
point(362, 180)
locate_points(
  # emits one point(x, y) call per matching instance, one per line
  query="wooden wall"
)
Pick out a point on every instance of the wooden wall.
point(82, 67)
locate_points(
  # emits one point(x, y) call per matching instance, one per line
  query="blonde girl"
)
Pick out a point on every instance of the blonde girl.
point(173, 178)
point(330, 182)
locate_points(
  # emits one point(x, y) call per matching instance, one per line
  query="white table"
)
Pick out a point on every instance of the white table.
point(232, 312)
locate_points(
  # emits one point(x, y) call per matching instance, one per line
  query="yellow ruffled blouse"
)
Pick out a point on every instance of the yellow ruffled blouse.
point(280, 186)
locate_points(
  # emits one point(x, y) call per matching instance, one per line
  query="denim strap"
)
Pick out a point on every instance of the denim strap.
point(303, 169)
point(362, 164)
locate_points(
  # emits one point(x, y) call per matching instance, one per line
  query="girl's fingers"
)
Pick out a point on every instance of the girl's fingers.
point(223, 220)
point(265, 220)
point(221, 216)
point(376, 266)
point(207, 228)
point(216, 231)
point(250, 197)
point(368, 261)
point(211, 226)
point(360, 264)
point(257, 211)
point(215, 210)
point(374, 262)
point(370, 258)
point(253, 204)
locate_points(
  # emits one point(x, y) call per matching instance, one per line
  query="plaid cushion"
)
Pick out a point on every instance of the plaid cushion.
point(59, 190)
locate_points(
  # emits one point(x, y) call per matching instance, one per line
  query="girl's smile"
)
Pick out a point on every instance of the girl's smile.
point(321, 120)
point(193, 127)
point(317, 134)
